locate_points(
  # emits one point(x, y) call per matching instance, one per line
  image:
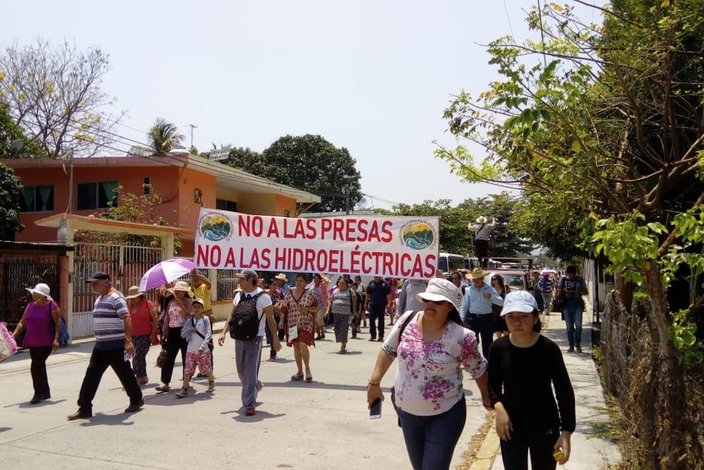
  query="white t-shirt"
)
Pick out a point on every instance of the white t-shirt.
point(195, 342)
point(263, 301)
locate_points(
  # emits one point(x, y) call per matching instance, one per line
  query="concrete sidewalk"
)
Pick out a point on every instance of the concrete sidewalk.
point(321, 425)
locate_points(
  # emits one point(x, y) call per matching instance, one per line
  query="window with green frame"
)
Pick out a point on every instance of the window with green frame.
point(37, 199)
point(98, 195)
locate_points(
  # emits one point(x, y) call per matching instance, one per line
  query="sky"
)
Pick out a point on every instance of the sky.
point(373, 76)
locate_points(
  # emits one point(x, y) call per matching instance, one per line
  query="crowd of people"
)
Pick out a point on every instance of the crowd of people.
point(437, 327)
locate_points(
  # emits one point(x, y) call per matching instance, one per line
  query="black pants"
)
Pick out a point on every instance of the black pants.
point(540, 442)
point(376, 316)
point(483, 327)
point(99, 362)
point(174, 344)
point(481, 251)
point(40, 381)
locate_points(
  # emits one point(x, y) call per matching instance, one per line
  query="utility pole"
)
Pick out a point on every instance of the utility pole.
point(192, 126)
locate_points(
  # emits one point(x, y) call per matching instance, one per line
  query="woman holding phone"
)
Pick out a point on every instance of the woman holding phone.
point(432, 347)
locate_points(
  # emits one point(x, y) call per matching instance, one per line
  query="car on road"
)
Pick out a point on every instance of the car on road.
point(516, 279)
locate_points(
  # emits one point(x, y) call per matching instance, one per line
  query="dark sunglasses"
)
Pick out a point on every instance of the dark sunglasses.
point(494, 278)
point(434, 302)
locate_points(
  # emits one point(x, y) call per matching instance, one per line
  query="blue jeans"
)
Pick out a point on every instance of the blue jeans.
point(431, 440)
point(547, 299)
point(573, 317)
point(247, 357)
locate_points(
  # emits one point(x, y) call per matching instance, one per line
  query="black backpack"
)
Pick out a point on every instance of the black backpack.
point(244, 324)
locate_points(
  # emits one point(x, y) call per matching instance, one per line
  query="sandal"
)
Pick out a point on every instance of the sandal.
point(309, 377)
point(297, 377)
point(162, 388)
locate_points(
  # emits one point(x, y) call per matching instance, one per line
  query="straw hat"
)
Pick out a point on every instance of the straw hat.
point(476, 273)
point(41, 289)
point(182, 286)
point(133, 292)
point(481, 219)
point(281, 277)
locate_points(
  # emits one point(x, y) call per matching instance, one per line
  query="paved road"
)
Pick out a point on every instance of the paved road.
point(321, 425)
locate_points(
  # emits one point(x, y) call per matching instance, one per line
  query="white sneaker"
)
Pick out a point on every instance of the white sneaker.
point(182, 393)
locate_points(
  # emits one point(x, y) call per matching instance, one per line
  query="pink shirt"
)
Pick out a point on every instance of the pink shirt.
point(39, 325)
point(176, 317)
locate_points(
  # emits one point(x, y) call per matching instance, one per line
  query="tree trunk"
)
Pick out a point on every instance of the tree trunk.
point(669, 407)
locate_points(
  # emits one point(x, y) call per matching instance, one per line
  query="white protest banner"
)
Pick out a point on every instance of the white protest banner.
point(402, 247)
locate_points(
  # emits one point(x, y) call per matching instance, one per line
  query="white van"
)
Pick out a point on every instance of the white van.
point(449, 262)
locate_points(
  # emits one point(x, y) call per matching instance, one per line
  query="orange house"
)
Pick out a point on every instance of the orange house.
point(185, 183)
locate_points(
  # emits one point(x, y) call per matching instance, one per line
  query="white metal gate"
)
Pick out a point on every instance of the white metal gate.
point(124, 263)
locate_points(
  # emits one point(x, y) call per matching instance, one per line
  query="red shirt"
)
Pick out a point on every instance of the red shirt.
point(141, 318)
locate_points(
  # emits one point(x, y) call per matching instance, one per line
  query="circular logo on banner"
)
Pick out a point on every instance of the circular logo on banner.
point(215, 227)
point(417, 235)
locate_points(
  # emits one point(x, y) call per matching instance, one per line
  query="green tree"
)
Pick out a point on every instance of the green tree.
point(163, 137)
point(53, 94)
point(602, 127)
point(10, 203)
point(247, 160)
point(455, 236)
point(309, 163)
point(10, 132)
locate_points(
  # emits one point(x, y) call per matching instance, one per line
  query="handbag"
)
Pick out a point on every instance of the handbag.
point(64, 337)
point(558, 303)
point(8, 346)
point(161, 358)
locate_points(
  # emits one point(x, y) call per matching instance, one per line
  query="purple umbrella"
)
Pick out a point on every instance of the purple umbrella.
point(165, 271)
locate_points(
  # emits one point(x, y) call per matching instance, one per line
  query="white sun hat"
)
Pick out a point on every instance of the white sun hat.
point(439, 290)
point(41, 289)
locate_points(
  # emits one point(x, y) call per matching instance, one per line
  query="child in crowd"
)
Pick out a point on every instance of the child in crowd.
point(197, 331)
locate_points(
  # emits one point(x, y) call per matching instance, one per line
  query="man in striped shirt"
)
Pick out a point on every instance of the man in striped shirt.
point(113, 347)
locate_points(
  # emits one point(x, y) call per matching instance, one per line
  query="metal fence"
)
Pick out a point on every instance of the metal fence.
point(125, 265)
point(19, 271)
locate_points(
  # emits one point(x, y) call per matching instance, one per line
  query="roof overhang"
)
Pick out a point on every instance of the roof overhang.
point(226, 176)
point(83, 222)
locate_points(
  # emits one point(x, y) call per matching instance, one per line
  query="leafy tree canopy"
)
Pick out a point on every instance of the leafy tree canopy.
point(11, 132)
point(455, 237)
point(602, 127)
point(10, 200)
point(309, 163)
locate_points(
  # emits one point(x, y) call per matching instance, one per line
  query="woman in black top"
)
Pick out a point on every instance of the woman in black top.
point(523, 368)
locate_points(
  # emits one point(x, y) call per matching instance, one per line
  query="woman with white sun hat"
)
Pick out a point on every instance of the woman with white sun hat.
point(432, 347)
point(41, 322)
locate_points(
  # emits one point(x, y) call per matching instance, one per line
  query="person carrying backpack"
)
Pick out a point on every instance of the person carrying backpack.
point(246, 326)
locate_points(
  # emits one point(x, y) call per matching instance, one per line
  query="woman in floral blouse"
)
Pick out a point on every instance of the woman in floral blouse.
point(428, 394)
point(298, 310)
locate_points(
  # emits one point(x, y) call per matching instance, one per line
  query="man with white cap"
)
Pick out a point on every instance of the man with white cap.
point(432, 347)
point(482, 230)
point(113, 342)
point(524, 369)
